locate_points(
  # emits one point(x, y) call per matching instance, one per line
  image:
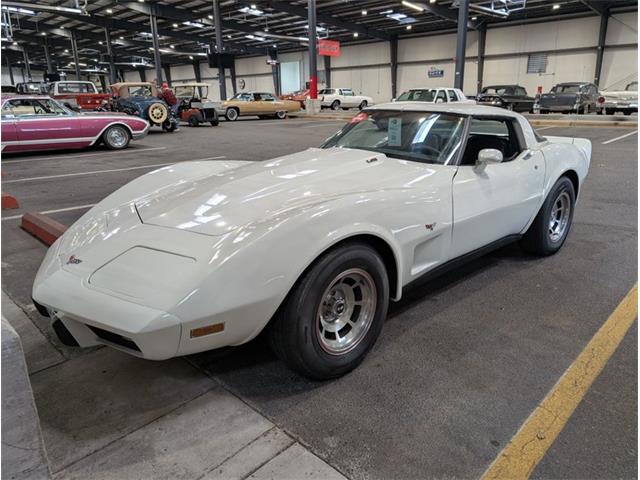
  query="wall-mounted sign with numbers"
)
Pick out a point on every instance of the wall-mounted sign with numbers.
point(435, 72)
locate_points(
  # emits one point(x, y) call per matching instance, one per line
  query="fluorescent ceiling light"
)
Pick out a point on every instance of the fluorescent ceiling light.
point(193, 24)
point(401, 18)
point(415, 6)
point(109, 11)
point(386, 12)
point(556, 6)
point(252, 10)
point(356, 34)
point(68, 10)
point(175, 25)
point(318, 28)
point(255, 37)
point(364, 12)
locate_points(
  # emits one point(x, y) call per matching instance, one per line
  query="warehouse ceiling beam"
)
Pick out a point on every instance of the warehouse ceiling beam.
point(300, 11)
point(439, 11)
point(187, 18)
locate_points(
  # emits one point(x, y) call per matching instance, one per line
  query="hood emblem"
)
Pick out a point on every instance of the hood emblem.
point(73, 260)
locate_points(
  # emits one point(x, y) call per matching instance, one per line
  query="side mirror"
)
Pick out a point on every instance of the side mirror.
point(488, 156)
point(393, 99)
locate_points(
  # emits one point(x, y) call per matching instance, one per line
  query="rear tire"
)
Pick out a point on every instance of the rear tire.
point(346, 291)
point(363, 105)
point(193, 121)
point(549, 230)
point(116, 137)
point(281, 115)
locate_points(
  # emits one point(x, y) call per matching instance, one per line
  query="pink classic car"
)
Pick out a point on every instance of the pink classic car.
point(31, 123)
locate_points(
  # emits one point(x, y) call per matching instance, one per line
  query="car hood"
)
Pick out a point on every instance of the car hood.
point(215, 204)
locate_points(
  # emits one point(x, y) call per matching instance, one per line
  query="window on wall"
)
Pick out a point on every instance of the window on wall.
point(537, 63)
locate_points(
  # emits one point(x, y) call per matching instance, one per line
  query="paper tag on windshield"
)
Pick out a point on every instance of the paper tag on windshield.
point(395, 132)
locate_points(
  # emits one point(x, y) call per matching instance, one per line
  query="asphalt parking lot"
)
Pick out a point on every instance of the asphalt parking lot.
point(460, 365)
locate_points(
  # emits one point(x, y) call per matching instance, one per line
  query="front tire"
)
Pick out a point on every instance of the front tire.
point(363, 105)
point(335, 105)
point(116, 137)
point(334, 314)
point(549, 230)
point(232, 114)
point(281, 115)
point(193, 121)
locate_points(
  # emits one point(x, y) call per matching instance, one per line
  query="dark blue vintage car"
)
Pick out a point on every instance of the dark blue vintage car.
point(140, 99)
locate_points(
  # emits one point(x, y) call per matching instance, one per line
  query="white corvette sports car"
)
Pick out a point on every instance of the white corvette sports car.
point(202, 255)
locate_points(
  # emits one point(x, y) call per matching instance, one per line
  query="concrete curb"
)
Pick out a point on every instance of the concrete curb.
point(42, 227)
point(23, 453)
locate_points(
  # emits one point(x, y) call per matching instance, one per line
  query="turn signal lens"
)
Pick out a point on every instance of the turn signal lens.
point(207, 330)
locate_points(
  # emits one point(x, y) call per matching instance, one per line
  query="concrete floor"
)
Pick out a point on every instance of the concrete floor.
point(461, 363)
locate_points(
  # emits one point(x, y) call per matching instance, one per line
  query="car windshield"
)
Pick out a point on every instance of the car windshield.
point(140, 91)
point(417, 136)
point(633, 86)
point(185, 92)
point(566, 89)
point(495, 90)
point(427, 95)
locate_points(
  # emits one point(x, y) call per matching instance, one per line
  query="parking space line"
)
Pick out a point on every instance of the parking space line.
point(96, 172)
point(57, 210)
point(545, 128)
point(620, 137)
point(62, 157)
point(529, 445)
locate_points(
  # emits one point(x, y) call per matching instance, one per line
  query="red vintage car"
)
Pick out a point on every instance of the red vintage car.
point(299, 96)
point(78, 95)
point(32, 123)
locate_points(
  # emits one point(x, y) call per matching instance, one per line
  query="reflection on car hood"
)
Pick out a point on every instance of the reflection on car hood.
point(222, 202)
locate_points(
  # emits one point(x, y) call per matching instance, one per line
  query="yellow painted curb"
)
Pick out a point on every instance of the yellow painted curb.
point(520, 456)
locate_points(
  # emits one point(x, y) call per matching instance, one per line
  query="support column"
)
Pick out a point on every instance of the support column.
point(143, 75)
point(25, 56)
point(313, 51)
point(196, 70)
point(47, 55)
point(461, 47)
point(482, 40)
point(232, 72)
point(220, 50)
point(10, 68)
point(167, 73)
point(74, 49)
point(275, 71)
point(327, 70)
point(157, 61)
point(113, 77)
point(393, 49)
point(103, 83)
point(602, 36)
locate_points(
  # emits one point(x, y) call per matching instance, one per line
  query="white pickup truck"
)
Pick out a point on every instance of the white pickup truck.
point(434, 95)
point(336, 98)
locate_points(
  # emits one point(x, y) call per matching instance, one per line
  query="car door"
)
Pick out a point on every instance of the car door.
point(44, 122)
point(8, 132)
point(494, 201)
point(270, 103)
point(349, 99)
point(452, 95)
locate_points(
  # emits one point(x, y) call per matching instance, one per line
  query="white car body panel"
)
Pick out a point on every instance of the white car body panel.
point(202, 243)
point(346, 101)
point(446, 95)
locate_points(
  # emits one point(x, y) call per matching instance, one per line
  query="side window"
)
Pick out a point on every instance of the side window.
point(499, 134)
point(21, 107)
point(441, 97)
point(267, 97)
point(452, 96)
point(521, 92)
point(347, 93)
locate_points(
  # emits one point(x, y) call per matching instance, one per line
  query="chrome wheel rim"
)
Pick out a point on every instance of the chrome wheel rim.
point(232, 114)
point(559, 219)
point(346, 311)
point(117, 137)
